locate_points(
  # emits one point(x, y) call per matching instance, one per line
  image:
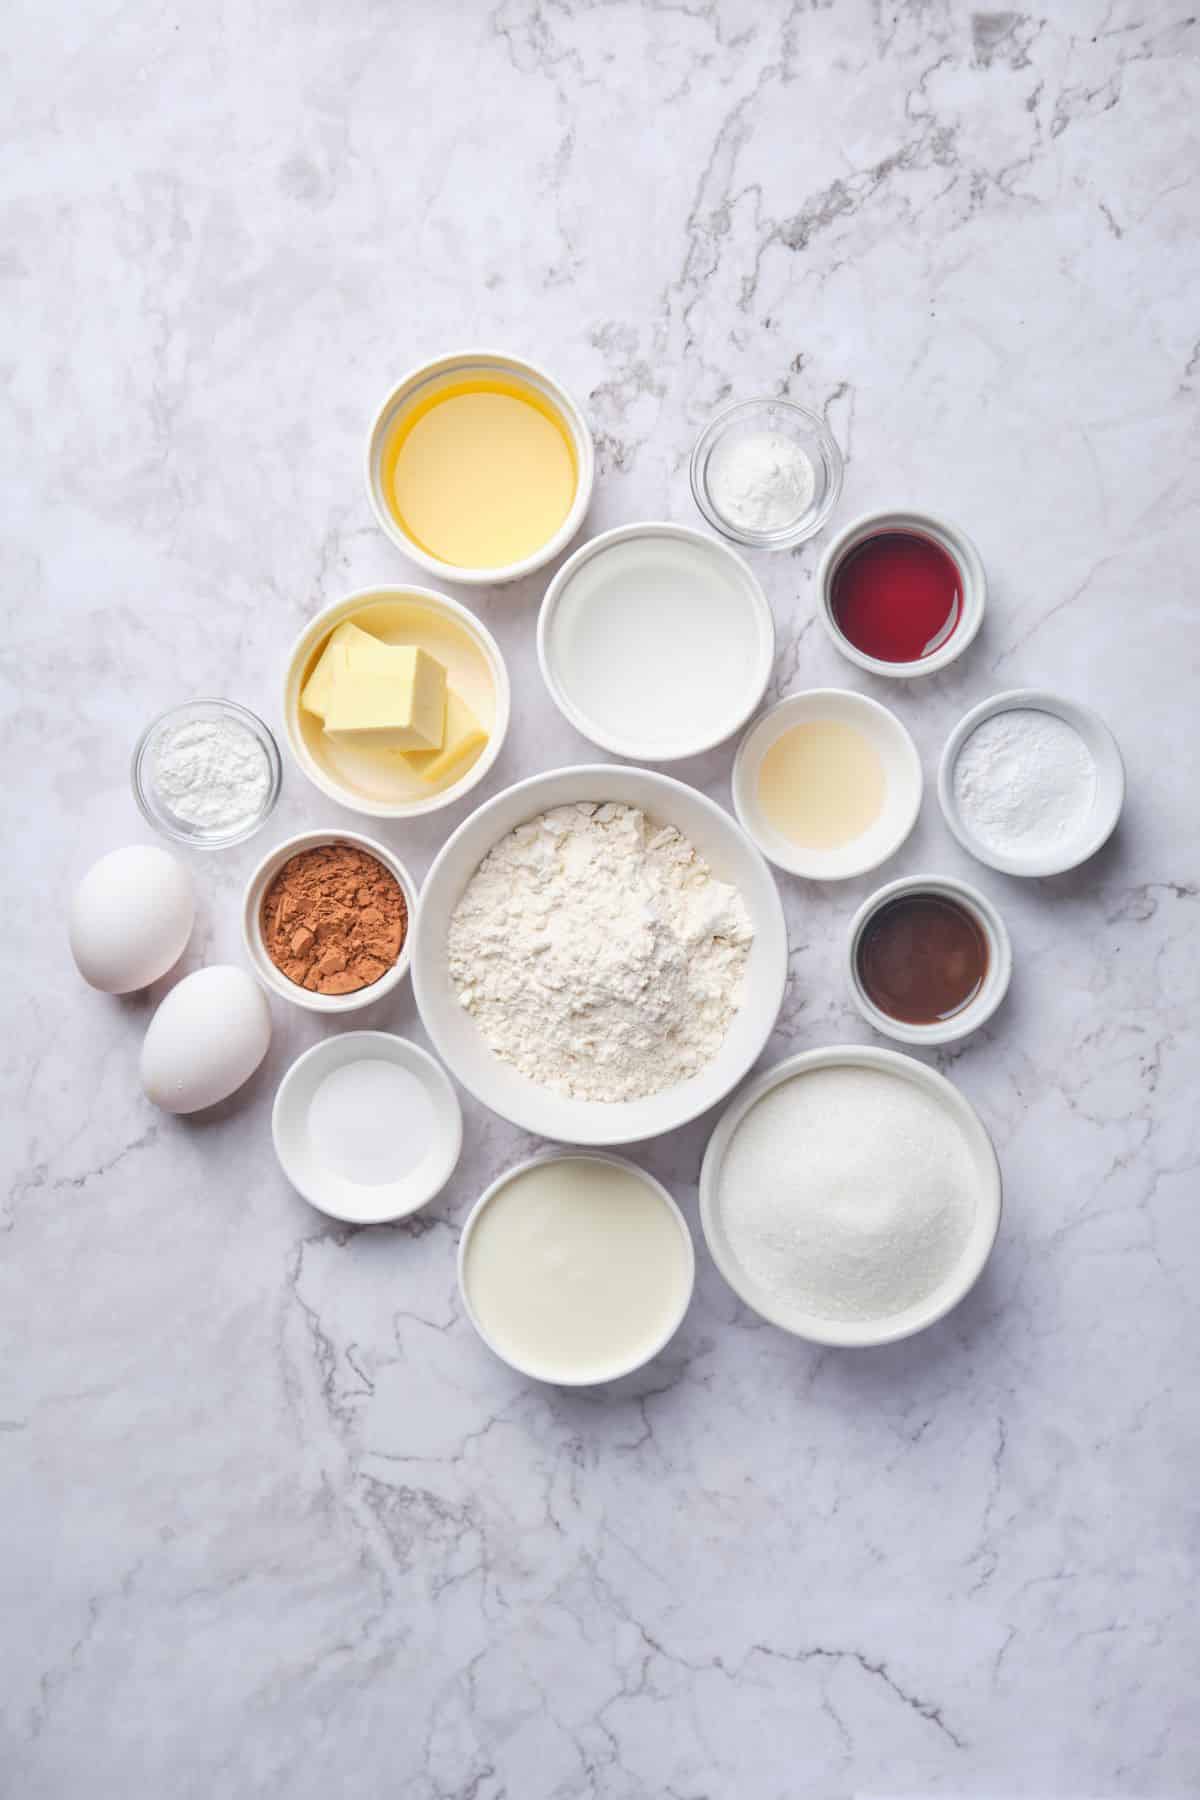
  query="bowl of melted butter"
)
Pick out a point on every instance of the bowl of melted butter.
point(480, 467)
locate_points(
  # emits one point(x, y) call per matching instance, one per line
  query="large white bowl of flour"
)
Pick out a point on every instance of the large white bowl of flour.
point(457, 1036)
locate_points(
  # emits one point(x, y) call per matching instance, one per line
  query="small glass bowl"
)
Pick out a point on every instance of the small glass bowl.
point(156, 810)
point(748, 418)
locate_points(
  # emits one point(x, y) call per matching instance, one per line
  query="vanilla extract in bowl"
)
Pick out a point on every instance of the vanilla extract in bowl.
point(922, 958)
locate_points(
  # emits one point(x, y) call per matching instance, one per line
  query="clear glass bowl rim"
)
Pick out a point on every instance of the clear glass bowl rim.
point(788, 535)
point(160, 819)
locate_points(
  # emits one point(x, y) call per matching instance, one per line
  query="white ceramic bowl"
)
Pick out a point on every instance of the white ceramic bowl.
point(903, 783)
point(456, 1037)
point(1109, 797)
point(354, 1202)
point(273, 979)
point(369, 782)
point(453, 367)
point(635, 670)
point(557, 1378)
point(978, 1248)
point(996, 978)
point(947, 537)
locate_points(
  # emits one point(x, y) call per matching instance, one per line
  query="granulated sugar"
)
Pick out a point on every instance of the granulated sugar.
point(847, 1194)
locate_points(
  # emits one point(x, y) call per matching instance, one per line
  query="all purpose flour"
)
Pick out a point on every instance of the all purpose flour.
point(599, 954)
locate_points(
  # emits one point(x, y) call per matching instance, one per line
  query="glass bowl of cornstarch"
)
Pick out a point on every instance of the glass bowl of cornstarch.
point(766, 473)
point(207, 773)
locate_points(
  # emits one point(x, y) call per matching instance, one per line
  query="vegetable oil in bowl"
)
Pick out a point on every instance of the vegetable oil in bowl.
point(480, 472)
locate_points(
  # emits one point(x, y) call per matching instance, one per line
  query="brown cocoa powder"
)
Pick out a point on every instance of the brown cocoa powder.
point(334, 919)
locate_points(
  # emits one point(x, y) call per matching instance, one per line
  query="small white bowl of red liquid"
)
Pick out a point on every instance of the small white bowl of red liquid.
point(902, 593)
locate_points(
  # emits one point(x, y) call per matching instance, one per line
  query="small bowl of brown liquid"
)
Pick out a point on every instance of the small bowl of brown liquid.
point(929, 959)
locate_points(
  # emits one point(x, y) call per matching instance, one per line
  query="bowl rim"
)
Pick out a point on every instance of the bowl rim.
point(978, 1010)
point(786, 537)
point(568, 1154)
point(948, 537)
point(349, 606)
point(614, 1133)
point(628, 749)
point(198, 840)
point(744, 765)
point(273, 979)
point(415, 1057)
point(573, 418)
point(1110, 768)
point(857, 1334)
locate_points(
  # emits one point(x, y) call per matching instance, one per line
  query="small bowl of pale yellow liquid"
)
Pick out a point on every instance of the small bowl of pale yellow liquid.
point(827, 783)
point(480, 467)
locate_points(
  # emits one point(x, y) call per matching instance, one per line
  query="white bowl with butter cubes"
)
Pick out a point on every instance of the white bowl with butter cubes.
point(396, 701)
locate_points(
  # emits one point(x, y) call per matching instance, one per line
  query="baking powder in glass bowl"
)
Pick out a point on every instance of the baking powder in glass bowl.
point(207, 773)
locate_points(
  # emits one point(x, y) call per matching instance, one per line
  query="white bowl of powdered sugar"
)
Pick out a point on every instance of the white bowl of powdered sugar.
point(1030, 783)
point(599, 954)
point(850, 1196)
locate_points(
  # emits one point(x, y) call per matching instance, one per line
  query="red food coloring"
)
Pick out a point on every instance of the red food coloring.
point(897, 596)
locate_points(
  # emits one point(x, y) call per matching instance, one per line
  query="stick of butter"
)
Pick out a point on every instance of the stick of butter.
point(348, 642)
point(464, 737)
point(399, 706)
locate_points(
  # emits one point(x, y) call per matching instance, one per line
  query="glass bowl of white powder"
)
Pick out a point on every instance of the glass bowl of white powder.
point(207, 773)
point(766, 473)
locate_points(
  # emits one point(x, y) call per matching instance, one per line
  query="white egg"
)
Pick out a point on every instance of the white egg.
point(208, 1036)
point(131, 917)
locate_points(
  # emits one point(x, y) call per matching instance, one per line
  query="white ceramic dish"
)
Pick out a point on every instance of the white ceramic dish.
point(903, 783)
point(273, 979)
point(947, 537)
point(692, 620)
point(749, 418)
point(457, 1039)
point(995, 982)
point(1109, 797)
point(979, 1244)
point(557, 1378)
point(353, 1202)
point(454, 367)
point(375, 782)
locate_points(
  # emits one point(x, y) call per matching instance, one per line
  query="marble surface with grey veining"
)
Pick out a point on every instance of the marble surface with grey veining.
point(274, 1522)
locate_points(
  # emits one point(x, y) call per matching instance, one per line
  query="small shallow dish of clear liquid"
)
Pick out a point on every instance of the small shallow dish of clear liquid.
point(328, 1142)
point(899, 772)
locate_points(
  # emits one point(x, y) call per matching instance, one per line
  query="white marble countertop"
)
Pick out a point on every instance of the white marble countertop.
point(275, 1522)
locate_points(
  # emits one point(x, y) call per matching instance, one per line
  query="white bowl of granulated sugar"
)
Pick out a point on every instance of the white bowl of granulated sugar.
point(850, 1195)
point(599, 980)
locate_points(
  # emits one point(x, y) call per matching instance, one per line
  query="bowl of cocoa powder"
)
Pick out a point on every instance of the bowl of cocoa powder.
point(326, 920)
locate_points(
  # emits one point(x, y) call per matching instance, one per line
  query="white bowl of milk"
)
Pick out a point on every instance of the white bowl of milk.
point(576, 1268)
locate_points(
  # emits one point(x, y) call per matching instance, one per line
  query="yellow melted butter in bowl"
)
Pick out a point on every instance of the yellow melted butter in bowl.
point(480, 473)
